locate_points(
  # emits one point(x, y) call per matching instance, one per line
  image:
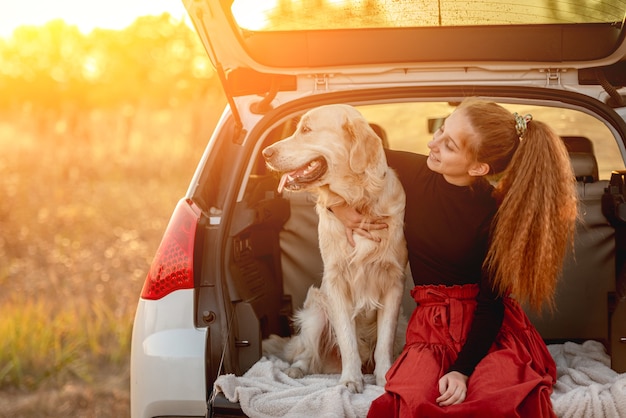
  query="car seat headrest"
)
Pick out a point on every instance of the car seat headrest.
point(578, 144)
point(382, 134)
point(585, 167)
point(583, 159)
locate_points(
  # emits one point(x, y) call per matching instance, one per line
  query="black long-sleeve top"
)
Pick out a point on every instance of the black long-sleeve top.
point(447, 231)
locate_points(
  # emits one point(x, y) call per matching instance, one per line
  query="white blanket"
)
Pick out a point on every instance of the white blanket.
point(586, 387)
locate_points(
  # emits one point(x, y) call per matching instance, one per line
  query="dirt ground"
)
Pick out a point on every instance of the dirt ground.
point(106, 397)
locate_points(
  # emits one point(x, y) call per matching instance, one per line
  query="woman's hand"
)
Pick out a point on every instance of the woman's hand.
point(356, 223)
point(453, 389)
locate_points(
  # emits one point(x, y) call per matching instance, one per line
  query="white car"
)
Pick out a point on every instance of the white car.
point(237, 257)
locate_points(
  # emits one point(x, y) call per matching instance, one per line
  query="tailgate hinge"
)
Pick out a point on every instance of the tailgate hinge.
point(553, 76)
point(321, 82)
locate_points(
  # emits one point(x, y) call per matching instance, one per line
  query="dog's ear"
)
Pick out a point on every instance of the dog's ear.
point(364, 144)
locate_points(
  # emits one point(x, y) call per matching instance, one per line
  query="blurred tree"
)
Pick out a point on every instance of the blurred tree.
point(154, 61)
point(59, 74)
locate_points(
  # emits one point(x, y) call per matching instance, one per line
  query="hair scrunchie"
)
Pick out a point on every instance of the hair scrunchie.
point(521, 123)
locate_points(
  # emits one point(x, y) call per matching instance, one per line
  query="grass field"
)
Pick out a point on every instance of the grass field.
point(82, 212)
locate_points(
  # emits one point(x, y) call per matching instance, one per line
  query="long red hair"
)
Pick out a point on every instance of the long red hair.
point(535, 222)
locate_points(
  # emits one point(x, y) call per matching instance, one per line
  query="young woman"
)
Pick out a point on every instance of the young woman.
point(473, 251)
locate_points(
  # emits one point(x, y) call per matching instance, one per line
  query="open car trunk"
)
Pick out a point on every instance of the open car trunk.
point(270, 248)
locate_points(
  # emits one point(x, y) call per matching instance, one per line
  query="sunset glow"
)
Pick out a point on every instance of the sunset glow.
point(86, 15)
point(252, 14)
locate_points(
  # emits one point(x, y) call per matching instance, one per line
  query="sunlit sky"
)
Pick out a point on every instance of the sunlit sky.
point(86, 14)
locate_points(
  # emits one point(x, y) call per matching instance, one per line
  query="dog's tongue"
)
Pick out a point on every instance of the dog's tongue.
point(283, 180)
point(288, 178)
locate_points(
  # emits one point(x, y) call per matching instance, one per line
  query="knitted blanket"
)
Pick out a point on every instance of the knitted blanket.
point(586, 387)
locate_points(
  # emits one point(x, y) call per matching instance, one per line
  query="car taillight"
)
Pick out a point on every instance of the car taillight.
point(172, 267)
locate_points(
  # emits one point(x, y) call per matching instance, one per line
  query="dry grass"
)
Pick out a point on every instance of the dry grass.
point(81, 215)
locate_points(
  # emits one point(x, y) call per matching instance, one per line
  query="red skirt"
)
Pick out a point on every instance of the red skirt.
point(515, 379)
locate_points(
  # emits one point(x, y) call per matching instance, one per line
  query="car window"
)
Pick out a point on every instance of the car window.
point(409, 127)
point(275, 15)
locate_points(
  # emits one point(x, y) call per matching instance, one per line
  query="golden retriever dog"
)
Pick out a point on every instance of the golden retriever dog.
point(350, 324)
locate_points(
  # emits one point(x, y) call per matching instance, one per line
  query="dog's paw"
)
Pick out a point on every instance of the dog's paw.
point(354, 386)
point(380, 372)
point(294, 372)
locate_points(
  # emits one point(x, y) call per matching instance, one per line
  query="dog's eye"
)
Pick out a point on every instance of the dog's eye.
point(304, 129)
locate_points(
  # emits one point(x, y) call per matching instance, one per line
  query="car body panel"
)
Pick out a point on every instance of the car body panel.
point(167, 347)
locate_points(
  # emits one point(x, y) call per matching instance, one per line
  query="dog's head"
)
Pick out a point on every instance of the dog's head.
point(330, 143)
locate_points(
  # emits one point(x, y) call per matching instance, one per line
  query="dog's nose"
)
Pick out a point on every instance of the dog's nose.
point(268, 152)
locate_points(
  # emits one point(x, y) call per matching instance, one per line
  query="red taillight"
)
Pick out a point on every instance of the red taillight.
point(172, 268)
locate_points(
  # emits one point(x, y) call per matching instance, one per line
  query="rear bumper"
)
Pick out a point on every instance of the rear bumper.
point(167, 359)
point(223, 408)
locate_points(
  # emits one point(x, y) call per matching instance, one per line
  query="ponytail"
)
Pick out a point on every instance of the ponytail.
point(535, 222)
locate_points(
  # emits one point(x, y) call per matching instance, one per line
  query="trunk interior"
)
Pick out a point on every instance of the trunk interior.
point(272, 256)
